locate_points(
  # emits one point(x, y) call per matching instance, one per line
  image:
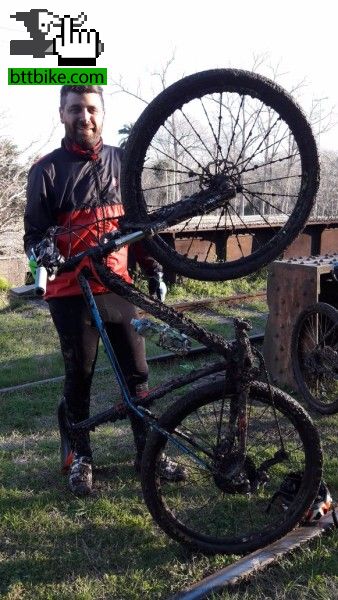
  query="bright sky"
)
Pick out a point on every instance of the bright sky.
point(140, 37)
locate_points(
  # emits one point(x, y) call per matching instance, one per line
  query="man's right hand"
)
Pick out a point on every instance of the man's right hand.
point(48, 255)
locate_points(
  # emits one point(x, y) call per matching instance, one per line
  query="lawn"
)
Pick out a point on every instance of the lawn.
point(54, 546)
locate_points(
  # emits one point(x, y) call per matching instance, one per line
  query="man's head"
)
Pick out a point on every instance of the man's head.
point(82, 113)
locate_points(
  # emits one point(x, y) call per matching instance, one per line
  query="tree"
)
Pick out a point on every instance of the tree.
point(184, 142)
point(13, 176)
point(125, 132)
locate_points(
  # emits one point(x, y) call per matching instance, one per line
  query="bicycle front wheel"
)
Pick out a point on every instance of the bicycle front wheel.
point(314, 351)
point(208, 127)
point(237, 513)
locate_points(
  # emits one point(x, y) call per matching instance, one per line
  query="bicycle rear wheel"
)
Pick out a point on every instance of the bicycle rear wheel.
point(215, 514)
point(314, 351)
point(233, 124)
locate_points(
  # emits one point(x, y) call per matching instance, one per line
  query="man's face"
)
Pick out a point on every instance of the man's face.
point(82, 116)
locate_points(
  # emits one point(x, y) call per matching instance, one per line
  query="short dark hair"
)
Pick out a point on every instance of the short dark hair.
point(80, 89)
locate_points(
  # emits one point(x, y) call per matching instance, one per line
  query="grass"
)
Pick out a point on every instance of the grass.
point(188, 289)
point(29, 345)
point(54, 546)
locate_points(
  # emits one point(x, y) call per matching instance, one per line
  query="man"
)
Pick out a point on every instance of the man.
point(77, 188)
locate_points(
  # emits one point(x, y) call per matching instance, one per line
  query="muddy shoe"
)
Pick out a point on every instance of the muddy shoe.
point(80, 476)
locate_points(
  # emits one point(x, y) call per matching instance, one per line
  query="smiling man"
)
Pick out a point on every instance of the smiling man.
point(76, 187)
point(82, 116)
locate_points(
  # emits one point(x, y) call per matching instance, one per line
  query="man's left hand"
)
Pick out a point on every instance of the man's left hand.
point(157, 287)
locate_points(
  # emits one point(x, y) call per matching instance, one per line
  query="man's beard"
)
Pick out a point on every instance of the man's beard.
point(84, 139)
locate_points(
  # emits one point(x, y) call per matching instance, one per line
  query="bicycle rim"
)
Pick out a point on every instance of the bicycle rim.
point(315, 356)
point(234, 124)
point(210, 515)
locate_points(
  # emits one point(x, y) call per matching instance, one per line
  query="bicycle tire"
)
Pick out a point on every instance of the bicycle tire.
point(314, 359)
point(268, 100)
point(168, 502)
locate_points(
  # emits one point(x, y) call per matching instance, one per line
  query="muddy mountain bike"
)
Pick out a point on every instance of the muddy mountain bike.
point(239, 144)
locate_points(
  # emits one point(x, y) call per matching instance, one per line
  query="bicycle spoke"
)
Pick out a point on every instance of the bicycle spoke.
point(199, 503)
point(274, 206)
point(257, 151)
point(229, 134)
point(209, 122)
point(316, 358)
point(198, 135)
point(167, 170)
point(218, 145)
point(270, 162)
point(234, 128)
point(188, 169)
point(234, 232)
point(158, 187)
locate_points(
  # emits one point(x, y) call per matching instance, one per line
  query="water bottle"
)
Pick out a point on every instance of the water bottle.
point(163, 335)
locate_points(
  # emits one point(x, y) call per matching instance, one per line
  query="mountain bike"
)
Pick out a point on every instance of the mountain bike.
point(237, 438)
point(314, 351)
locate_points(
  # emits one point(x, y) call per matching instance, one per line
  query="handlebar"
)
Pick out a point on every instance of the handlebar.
point(220, 192)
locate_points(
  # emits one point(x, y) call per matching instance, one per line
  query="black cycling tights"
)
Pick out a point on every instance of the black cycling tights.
point(79, 344)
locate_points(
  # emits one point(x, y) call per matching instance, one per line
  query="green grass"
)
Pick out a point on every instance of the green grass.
point(29, 345)
point(54, 546)
point(188, 289)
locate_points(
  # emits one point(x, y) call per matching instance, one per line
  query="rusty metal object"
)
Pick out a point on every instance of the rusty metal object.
point(215, 239)
point(191, 304)
point(293, 285)
point(249, 565)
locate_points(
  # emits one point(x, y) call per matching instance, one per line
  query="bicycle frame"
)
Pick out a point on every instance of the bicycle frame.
point(236, 355)
point(216, 343)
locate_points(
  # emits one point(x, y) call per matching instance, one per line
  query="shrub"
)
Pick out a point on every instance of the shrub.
point(4, 285)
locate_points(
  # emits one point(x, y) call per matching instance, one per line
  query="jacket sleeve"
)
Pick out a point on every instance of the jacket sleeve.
point(38, 213)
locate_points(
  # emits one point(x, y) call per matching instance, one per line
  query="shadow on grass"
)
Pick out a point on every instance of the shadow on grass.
point(49, 536)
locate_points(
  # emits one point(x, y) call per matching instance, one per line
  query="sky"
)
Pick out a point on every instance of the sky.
point(296, 38)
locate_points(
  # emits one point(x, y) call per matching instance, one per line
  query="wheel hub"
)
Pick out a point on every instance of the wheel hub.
point(233, 474)
point(219, 173)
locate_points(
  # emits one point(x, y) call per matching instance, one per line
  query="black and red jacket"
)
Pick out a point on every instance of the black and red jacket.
point(81, 194)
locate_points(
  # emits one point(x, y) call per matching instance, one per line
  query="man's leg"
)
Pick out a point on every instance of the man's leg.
point(79, 343)
point(129, 348)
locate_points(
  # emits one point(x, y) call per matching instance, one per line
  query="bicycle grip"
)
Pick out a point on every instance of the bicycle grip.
point(40, 281)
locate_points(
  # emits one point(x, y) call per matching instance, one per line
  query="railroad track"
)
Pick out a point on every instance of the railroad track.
point(192, 304)
point(164, 357)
